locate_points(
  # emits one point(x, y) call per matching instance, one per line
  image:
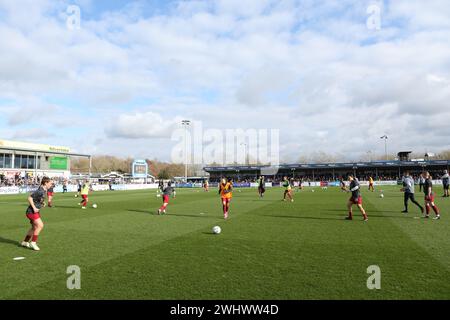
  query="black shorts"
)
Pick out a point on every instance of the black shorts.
point(409, 196)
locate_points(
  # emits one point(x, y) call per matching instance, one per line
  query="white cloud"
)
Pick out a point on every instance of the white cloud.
point(312, 69)
point(142, 125)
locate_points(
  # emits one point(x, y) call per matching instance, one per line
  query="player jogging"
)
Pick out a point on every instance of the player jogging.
point(287, 189)
point(85, 194)
point(36, 201)
point(371, 188)
point(226, 193)
point(50, 193)
point(167, 192)
point(261, 186)
point(206, 186)
point(429, 197)
point(355, 198)
point(445, 182)
point(408, 189)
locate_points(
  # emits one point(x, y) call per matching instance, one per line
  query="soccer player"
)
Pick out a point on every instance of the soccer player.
point(408, 189)
point(429, 197)
point(371, 188)
point(65, 186)
point(167, 192)
point(355, 198)
point(85, 194)
point(206, 186)
point(226, 193)
point(287, 189)
point(445, 182)
point(50, 193)
point(261, 186)
point(36, 201)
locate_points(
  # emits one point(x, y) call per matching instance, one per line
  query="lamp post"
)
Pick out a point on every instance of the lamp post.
point(385, 137)
point(185, 123)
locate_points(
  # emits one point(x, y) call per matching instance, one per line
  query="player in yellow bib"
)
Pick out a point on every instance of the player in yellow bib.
point(371, 188)
point(86, 187)
point(226, 193)
point(287, 189)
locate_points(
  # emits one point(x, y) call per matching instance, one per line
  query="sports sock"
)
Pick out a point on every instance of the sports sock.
point(435, 209)
point(35, 238)
point(27, 238)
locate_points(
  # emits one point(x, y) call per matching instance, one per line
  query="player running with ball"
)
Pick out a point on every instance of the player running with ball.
point(356, 198)
point(85, 194)
point(226, 193)
point(36, 202)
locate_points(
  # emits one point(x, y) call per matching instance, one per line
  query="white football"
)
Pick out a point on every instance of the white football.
point(76, 196)
point(94, 206)
point(216, 230)
point(381, 195)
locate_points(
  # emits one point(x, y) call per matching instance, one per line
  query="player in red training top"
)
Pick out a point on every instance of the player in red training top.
point(356, 198)
point(429, 197)
point(36, 202)
point(166, 193)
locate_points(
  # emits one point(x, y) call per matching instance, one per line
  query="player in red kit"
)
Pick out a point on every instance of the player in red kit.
point(356, 198)
point(36, 202)
point(429, 197)
point(50, 193)
point(166, 193)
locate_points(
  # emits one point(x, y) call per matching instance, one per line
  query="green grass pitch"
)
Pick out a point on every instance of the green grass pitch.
point(268, 249)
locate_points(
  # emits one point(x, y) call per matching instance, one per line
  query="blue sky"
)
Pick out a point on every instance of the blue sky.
point(312, 69)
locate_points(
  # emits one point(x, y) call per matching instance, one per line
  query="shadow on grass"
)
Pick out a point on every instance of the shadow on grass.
point(307, 218)
point(9, 241)
point(377, 214)
point(172, 214)
point(142, 211)
point(75, 206)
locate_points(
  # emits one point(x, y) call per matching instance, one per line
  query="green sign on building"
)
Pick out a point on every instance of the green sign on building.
point(59, 163)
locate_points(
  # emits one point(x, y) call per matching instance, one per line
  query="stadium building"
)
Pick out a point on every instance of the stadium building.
point(32, 160)
point(379, 170)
